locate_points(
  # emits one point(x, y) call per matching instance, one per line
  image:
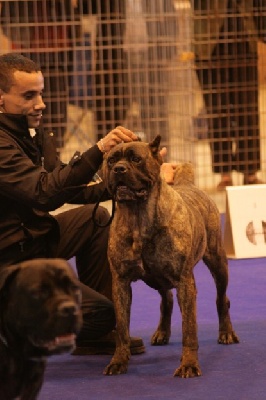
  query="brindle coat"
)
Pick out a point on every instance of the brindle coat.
point(158, 234)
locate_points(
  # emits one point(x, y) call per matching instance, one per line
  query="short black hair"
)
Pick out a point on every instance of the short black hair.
point(11, 62)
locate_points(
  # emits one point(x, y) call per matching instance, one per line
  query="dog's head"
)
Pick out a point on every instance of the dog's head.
point(40, 304)
point(132, 169)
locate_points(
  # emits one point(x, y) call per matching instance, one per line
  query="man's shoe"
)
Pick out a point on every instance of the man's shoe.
point(106, 345)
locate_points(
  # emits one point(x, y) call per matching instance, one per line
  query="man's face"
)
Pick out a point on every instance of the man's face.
point(25, 97)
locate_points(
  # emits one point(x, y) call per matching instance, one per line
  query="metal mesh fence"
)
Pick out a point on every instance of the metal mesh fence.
point(191, 71)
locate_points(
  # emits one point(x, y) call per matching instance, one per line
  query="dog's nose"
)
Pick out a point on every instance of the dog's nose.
point(67, 309)
point(120, 169)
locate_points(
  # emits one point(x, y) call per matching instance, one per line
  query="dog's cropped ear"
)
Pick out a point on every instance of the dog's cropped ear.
point(155, 149)
point(154, 145)
point(6, 275)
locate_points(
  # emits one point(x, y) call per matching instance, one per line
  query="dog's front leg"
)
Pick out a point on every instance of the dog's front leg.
point(122, 304)
point(186, 295)
point(163, 332)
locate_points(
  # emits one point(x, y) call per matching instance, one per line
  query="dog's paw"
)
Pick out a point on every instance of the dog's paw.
point(228, 338)
point(160, 338)
point(116, 368)
point(188, 371)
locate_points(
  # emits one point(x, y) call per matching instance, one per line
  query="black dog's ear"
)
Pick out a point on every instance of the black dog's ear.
point(7, 274)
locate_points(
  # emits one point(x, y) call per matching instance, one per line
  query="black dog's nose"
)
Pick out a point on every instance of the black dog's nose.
point(120, 169)
point(68, 308)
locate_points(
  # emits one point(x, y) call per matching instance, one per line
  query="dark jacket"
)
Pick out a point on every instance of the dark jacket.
point(33, 181)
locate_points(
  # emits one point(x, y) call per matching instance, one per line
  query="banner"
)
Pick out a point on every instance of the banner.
point(245, 223)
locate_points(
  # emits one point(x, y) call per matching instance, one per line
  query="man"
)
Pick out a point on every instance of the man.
point(33, 182)
point(226, 34)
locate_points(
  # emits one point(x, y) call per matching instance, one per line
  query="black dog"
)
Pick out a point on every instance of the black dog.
point(40, 316)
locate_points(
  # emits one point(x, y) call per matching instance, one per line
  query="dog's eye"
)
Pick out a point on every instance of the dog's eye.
point(74, 287)
point(78, 295)
point(136, 159)
point(111, 161)
point(35, 294)
point(40, 293)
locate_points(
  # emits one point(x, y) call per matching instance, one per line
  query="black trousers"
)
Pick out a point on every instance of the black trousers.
point(230, 91)
point(80, 237)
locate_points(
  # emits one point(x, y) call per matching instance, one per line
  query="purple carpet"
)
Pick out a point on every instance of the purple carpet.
point(235, 372)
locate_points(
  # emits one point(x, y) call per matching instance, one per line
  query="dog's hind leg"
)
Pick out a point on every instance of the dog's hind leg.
point(186, 295)
point(163, 332)
point(217, 264)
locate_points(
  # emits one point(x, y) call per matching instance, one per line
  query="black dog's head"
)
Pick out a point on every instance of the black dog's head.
point(40, 304)
point(131, 169)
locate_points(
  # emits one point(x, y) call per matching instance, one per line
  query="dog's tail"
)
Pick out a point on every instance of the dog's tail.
point(184, 173)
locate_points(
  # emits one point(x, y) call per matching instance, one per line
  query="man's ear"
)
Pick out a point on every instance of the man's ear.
point(1, 97)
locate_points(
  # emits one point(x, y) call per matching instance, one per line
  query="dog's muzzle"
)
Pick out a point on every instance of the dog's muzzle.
point(124, 187)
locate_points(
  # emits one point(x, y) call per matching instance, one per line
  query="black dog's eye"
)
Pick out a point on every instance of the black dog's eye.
point(78, 294)
point(41, 293)
point(71, 287)
point(74, 287)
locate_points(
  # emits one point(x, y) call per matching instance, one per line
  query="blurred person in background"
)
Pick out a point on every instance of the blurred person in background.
point(226, 35)
point(121, 81)
point(43, 30)
point(135, 43)
point(109, 80)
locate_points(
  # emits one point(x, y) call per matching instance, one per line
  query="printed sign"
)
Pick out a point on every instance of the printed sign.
point(245, 223)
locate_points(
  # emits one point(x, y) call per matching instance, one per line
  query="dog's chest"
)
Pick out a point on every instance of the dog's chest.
point(138, 251)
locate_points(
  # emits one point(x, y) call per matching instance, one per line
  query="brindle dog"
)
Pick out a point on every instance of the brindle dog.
point(158, 234)
point(40, 315)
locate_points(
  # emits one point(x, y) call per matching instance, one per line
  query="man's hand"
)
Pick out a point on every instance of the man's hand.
point(116, 136)
point(168, 172)
point(167, 169)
